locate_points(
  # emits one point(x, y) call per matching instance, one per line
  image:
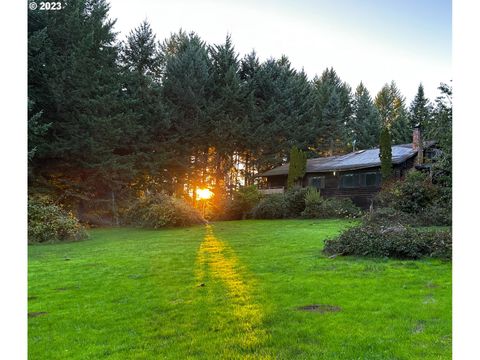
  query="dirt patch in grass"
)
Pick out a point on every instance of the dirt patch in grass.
point(36, 313)
point(431, 285)
point(320, 308)
point(429, 299)
point(135, 276)
point(419, 327)
point(92, 265)
point(66, 288)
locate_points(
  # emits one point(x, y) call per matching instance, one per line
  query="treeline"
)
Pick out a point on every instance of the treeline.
point(109, 118)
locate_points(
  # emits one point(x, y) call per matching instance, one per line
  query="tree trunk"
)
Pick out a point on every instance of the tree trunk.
point(114, 210)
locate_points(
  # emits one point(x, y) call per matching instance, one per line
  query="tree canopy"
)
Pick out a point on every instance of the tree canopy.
point(110, 118)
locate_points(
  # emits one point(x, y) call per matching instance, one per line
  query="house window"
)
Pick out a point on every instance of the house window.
point(350, 181)
point(317, 182)
point(371, 179)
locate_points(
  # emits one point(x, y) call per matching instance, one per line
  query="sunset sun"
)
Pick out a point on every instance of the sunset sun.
point(204, 194)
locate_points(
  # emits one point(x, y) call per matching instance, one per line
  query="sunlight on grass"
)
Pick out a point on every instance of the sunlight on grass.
point(214, 258)
point(232, 291)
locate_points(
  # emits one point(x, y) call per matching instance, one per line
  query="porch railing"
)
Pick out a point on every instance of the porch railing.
point(273, 190)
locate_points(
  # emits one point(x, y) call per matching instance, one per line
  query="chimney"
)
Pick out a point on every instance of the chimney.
point(417, 144)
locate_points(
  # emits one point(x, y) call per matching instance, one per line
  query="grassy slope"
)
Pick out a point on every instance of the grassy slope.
point(136, 294)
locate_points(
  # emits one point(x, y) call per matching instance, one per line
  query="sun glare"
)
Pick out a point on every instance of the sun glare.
point(204, 194)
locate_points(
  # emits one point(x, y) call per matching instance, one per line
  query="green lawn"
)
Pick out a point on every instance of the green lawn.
point(232, 290)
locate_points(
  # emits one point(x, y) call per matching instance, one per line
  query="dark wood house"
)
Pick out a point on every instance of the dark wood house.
point(355, 175)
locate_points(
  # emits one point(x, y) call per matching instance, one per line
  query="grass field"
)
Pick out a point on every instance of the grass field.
point(232, 290)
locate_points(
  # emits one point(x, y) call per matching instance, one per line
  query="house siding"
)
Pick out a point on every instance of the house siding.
point(362, 196)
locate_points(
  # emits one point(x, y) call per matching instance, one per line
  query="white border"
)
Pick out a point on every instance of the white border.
point(466, 142)
point(13, 187)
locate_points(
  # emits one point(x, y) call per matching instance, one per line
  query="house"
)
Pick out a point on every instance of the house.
point(355, 175)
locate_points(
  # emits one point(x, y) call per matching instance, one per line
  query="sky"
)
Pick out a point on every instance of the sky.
point(374, 41)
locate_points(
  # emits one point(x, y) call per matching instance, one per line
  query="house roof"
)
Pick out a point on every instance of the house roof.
point(355, 160)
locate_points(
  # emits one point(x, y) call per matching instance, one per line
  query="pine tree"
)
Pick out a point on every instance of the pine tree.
point(300, 102)
point(333, 135)
point(420, 110)
point(401, 131)
point(226, 110)
point(365, 125)
point(385, 154)
point(140, 52)
point(248, 142)
point(186, 80)
point(391, 107)
point(333, 110)
point(74, 80)
point(145, 126)
point(441, 132)
point(36, 132)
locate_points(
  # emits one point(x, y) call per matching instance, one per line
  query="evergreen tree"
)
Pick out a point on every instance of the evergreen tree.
point(248, 141)
point(391, 108)
point(297, 166)
point(186, 80)
point(401, 131)
point(441, 132)
point(140, 52)
point(36, 132)
point(300, 102)
point(365, 125)
point(74, 80)
point(249, 65)
point(333, 134)
point(420, 110)
point(385, 154)
point(226, 111)
point(269, 119)
point(333, 110)
point(145, 130)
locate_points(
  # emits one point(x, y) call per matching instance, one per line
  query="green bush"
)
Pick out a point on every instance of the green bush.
point(161, 210)
point(312, 196)
point(394, 241)
point(390, 216)
point(50, 223)
point(320, 208)
point(295, 202)
point(416, 195)
point(436, 215)
point(271, 207)
point(306, 203)
point(411, 195)
point(242, 203)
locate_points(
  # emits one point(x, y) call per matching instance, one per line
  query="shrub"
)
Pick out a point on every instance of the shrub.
point(389, 216)
point(436, 215)
point(411, 195)
point(295, 201)
point(329, 207)
point(242, 203)
point(161, 210)
point(51, 223)
point(312, 196)
point(394, 241)
point(416, 195)
point(271, 207)
point(306, 203)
